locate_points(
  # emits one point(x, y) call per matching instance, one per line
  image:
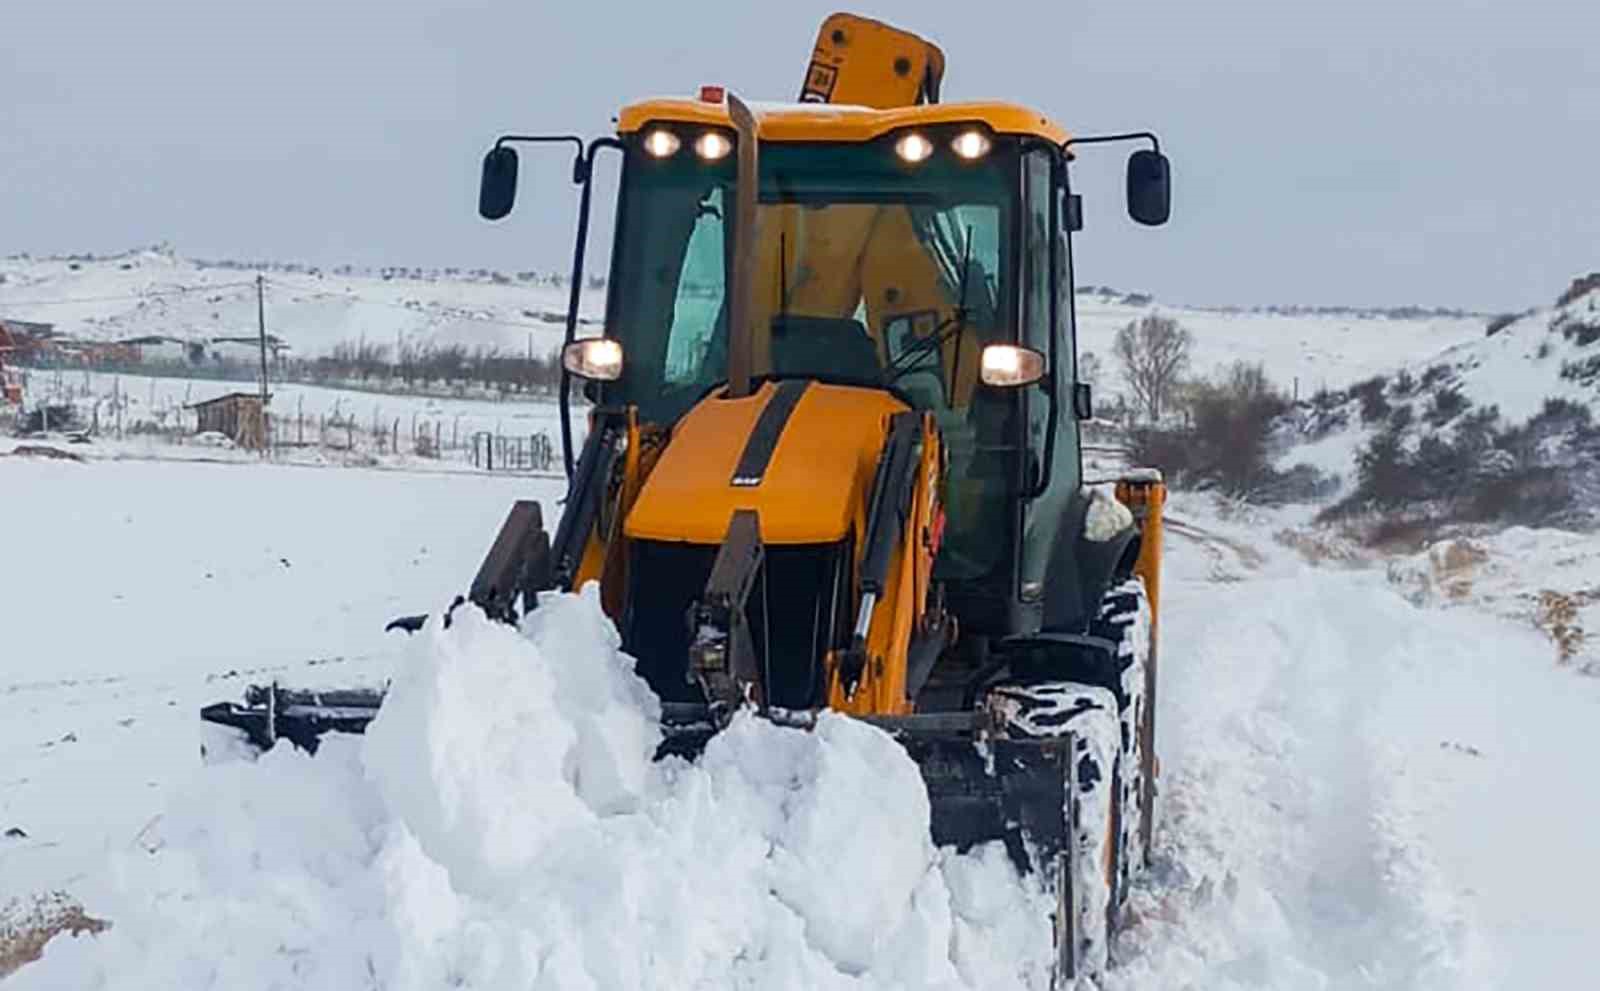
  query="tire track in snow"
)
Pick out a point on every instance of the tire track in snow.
point(1287, 856)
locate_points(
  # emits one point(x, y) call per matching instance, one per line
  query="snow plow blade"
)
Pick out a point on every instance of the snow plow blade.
point(270, 714)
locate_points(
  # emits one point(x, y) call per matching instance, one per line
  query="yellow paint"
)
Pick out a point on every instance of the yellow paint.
point(862, 62)
point(815, 487)
point(1148, 501)
point(830, 122)
point(882, 690)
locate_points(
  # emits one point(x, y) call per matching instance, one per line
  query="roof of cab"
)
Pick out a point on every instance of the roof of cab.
point(833, 122)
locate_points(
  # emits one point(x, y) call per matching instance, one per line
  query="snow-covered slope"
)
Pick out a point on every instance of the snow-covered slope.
point(154, 292)
point(1525, 398)
point(1317, 349)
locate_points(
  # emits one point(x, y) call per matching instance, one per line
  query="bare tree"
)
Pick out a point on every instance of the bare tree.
point(1154, 352)
point(1089, 369)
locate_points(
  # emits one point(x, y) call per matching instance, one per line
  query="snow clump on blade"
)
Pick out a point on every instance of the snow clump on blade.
point(503, 824)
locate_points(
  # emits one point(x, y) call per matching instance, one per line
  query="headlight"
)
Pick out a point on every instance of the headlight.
point(970, 145)
point(1010, 365)
point(660, 143)
point(913, 148)
point(596, 358)
point(713, 145)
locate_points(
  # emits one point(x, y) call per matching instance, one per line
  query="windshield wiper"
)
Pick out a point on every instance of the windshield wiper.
point(950, 327)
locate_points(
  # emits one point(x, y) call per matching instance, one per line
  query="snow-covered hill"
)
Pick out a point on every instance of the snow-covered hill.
point(1522, 401)
point(154, 292)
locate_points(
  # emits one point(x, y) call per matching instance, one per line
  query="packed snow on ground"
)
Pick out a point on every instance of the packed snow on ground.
point(132, 593)
point(1544, 578)
point(1356, 792)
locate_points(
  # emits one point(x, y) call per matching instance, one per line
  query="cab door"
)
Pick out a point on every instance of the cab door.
point(1052, 469)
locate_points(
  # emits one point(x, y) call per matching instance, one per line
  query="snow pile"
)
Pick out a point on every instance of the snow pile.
point(503, 825)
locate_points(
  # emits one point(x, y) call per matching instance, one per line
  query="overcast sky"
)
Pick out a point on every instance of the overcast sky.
point(1442, 152)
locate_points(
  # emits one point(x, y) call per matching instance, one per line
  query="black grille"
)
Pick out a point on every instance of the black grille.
point(794, 612)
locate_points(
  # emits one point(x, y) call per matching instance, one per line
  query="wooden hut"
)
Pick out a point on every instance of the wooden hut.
point(239, 416)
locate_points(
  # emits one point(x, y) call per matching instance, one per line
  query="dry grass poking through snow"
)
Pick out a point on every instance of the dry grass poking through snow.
point(27, 924)
point(1321, 545)
point(1556, 613)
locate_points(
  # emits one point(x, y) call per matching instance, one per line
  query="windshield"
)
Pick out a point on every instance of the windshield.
point(866, 271)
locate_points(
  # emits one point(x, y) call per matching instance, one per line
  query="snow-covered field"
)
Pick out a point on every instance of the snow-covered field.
point(1358, 792)
point(155, 292)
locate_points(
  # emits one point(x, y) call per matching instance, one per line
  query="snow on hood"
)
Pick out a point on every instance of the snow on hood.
point(503, 825)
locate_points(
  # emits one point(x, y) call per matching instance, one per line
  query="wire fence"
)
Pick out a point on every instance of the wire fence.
point(81, 411)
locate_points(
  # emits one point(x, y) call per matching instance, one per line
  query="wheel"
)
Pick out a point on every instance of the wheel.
point(1109, 778)
point(1084, 875)
point(1125, 619)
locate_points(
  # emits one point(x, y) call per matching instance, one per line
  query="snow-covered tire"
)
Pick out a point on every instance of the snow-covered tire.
point(1113, 796)
point(1125, 619)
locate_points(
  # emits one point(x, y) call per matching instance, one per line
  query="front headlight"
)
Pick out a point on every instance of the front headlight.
point(598, 359)
point(1010, 365)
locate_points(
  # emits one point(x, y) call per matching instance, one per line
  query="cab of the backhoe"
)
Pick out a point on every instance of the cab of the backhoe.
point(924, 251)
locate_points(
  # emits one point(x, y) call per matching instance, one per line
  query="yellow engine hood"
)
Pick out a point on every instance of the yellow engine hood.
point(815, 482)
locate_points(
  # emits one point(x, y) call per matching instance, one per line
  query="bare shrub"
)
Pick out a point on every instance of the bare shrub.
point(1501, 322)
point(1226, 443)
point(1154, 353)
point(1374, 407)
point(1580, 287)
point(1556, 613)
point(1580, 332)
point(1448, 403)
point(26, 925)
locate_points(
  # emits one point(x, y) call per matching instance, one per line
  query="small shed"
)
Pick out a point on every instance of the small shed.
point(239, 416)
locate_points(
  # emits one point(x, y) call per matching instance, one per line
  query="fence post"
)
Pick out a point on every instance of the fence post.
point(438, 437)
point(396, 444)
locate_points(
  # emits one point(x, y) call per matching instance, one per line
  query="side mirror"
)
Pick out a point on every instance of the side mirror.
point(1072, 212)
point(1010, 365)
point(1149, 187)
point(498, 190)
point(1082, 401)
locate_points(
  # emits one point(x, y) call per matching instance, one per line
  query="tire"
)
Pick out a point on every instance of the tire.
point(1125, 619)
point(1112, 801)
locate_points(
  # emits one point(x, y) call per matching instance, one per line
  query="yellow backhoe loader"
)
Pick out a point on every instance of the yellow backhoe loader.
point(832, 456)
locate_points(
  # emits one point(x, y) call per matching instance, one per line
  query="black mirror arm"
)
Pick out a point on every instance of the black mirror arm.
point(585, 167)
point(1101, 139)
point(580, 165)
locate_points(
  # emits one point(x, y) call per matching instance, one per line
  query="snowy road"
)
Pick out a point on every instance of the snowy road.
point(1356, 793)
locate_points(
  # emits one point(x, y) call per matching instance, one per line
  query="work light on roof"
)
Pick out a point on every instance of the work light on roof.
point(913, 148)
point(660, 143)
point(970, 145)
point(713, 145)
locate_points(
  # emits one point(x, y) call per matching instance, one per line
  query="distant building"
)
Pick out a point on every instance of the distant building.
point(239, 416)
